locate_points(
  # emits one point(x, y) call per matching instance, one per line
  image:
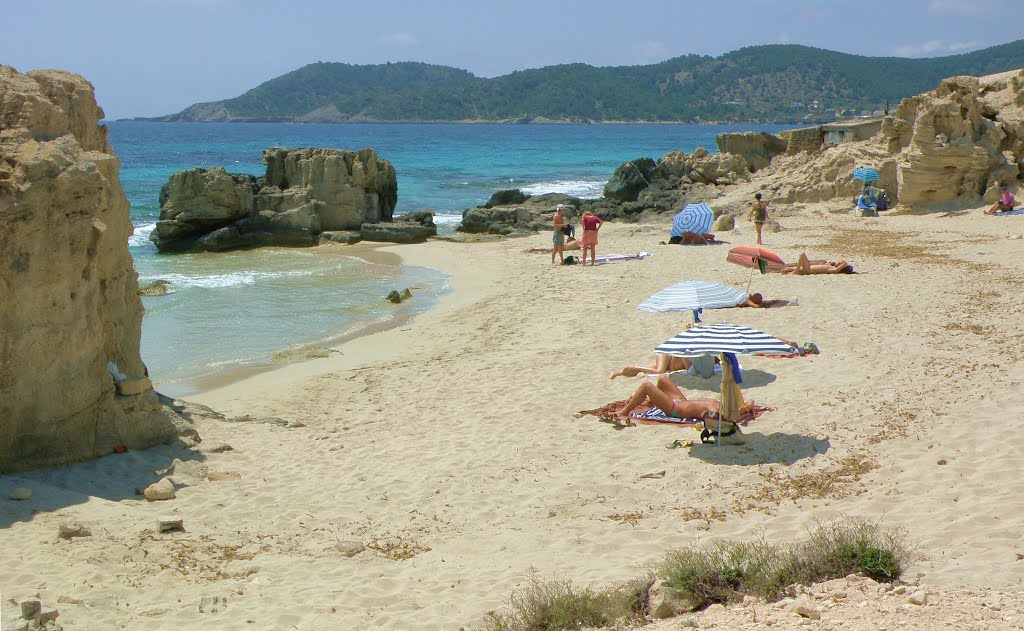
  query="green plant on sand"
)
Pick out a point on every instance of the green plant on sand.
point(717, 573)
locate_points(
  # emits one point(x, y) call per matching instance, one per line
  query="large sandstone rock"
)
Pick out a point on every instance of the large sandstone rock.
point(68, 289)
point(305, 192)
point(757, 148)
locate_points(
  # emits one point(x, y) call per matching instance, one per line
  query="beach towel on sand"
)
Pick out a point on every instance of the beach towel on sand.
point(653, 416)
point(613, 258)
point(1003, 213)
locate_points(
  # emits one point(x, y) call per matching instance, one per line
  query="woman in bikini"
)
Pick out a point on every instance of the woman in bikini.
point(667, 396)
point(662, 364)
point(758, 214)
point(805, 267)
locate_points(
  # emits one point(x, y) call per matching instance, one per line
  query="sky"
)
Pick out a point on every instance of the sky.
point(156, 57)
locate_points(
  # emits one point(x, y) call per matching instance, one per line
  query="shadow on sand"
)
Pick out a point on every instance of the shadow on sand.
point(776, 448)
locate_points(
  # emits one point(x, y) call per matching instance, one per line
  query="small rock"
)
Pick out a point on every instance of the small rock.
point(900, 590)
point(919, 598)
point(213, 604)
point(716, 608)
point(806, 608)
point(406, 294)
point(30, 608)
point(665, 602)
point(72, 529)
point(68, 600)
point(189, 470)
point(163, 524)
point(46, 615)
point(162, 490)
point(394, 297)
point(349, 548)
point(218, 475)
point(20, 493)
point(133, 386)
point(214, 448)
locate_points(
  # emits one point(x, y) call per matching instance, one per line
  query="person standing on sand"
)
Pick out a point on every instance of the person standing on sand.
point(591, 224)
point(758, 214)
point(558, 236)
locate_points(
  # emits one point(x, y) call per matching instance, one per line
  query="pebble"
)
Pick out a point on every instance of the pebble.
point(919, 598)
point(162, 490)
point(163, 524)
point(20, 493)
point(72, 529)
point(30, 607)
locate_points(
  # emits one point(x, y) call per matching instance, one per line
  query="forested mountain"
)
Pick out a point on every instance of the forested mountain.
point(759, 83)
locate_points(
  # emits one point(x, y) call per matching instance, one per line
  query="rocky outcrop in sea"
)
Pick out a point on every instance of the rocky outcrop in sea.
point(307, 195)
point(72, 382)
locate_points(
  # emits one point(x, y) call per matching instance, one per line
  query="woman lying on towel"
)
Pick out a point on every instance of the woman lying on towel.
point(804, 267)
point(662, 364)
point(669, 398)
point(570, 244)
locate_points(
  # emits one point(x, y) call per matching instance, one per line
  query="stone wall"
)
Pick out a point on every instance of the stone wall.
point(68, 287)
point(806, 139)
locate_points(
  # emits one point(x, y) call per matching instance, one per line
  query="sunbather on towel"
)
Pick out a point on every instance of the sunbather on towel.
point(1006, 201)
point(805, 267)
point(667, 396)
point(570, 244)
point(662, 364)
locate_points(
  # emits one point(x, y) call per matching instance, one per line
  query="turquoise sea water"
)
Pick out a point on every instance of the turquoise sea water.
point(237, 309)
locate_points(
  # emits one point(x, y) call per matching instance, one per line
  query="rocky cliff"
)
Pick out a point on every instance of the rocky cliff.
point(304, 193)
point(68, 287)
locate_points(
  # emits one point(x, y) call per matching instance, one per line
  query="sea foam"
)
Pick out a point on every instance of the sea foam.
point(140, 236)
point(584, 189)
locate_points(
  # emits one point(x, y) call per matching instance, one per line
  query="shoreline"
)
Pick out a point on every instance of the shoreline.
point(240, 370)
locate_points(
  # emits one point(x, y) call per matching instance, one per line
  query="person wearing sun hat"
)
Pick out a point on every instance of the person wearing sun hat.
point(1006, 201)
point(558, 223)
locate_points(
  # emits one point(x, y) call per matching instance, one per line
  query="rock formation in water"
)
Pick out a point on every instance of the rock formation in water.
point(306, 193)
point(69, 302)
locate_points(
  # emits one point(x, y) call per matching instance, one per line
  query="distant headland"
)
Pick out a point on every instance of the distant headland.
point(773, 83)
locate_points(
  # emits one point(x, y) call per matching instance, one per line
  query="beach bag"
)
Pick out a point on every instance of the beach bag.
point(883, 202)
point(569, 260)
point(569, 230)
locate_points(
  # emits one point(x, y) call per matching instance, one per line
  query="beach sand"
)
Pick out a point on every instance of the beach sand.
point(447, 447)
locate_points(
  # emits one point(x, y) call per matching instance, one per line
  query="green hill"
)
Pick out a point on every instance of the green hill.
point(759, 83)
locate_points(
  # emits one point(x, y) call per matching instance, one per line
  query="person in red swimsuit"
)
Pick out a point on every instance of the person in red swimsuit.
point(591, 224)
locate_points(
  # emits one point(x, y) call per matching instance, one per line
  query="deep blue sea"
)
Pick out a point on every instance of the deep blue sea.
point(234, 310)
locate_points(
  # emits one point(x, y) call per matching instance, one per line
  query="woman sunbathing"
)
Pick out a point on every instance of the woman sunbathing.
point(667, 396)
point(662, 364)
point(805, 267)
point(570, 244)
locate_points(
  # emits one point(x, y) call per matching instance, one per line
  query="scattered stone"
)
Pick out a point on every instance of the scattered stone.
point(219, 475)
point(406, 294)
point(156, 288)
point(72, 529)
point(30, 608)
point(20, 493)
point(806, 608)
point(189, 470)
point(665, 602)
point(68, 600)
point(164, 524)
point(46, 615)
point(900, 589)
point(657, 475)
point(133, 386)
point(213, 604)
point(349, 548)
point(214, 448)
point(919, 598)
point(158, 491)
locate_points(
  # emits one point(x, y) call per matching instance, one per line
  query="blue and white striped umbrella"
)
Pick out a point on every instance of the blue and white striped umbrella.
point(865, 174)
point(691, 295)
point(695, 218)
point(723, 338)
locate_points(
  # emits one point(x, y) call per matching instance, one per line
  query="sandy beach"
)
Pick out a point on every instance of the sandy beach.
point(424, 472)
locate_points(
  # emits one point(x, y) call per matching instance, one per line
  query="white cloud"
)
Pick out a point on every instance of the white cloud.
point(930, 48)
point(959, 47)
point(400, 39)
point(960, 7)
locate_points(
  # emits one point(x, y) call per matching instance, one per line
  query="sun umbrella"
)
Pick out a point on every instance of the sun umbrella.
point(693, 295)
point(865, 174)
point(694, 218)
point(728, 340)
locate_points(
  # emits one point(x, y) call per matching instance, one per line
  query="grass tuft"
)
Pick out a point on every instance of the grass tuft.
point(701, 575)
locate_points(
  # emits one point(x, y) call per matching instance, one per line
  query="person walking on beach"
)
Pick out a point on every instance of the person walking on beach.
point(558, 236)
point(591, 224)
point(758, 214)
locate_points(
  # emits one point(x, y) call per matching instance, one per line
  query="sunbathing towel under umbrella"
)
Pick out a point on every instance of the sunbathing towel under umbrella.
point(694, 295)
point(728, 340)
point(696, 218)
